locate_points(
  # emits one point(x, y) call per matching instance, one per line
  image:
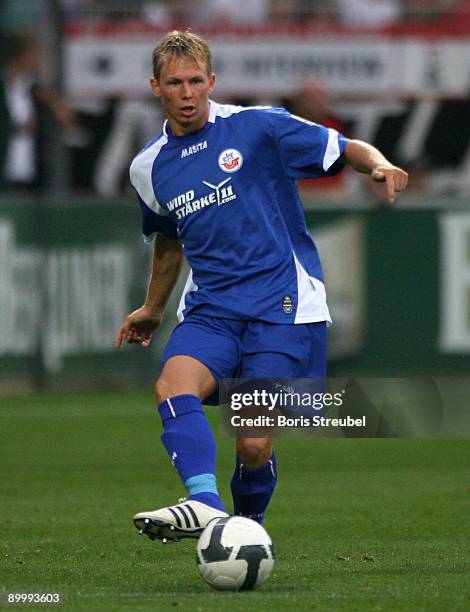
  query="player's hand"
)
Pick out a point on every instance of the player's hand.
point(395, 179)
point(138, 327)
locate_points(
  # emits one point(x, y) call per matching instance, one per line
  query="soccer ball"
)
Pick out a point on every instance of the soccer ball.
point(235, 554)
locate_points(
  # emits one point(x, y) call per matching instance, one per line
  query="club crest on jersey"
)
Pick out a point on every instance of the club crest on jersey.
point(287, 304)
point(230, 160)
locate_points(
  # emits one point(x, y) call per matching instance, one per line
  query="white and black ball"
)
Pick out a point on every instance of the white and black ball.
point(235, 554)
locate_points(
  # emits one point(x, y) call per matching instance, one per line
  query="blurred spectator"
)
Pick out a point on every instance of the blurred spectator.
point(22, 99)
point(368, 14)
point(134, 123)
point(312, 102)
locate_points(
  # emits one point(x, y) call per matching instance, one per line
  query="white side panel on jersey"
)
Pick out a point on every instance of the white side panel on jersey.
point(189, 286)
point(332, 150)
point(141, 175)
point(311, 306)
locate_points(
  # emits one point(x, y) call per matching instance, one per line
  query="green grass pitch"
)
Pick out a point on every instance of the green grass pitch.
point(357, 524)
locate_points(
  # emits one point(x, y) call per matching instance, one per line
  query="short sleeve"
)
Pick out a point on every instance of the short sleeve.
point(307, 149)
point(155, 218)
point(152, 224)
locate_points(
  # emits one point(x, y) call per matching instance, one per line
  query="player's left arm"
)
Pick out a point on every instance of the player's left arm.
point(366, 159)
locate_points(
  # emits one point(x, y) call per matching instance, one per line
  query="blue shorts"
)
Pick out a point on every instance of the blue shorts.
point(251, 349)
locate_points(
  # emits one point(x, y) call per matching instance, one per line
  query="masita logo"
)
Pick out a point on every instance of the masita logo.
point(194, 149)
point(230, 160)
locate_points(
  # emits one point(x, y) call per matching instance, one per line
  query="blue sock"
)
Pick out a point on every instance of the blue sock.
point(190, 444)
point(252, 489)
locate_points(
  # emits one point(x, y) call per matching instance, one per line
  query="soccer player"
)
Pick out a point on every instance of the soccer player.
point(218, 185)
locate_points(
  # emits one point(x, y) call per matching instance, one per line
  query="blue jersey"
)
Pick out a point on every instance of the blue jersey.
point(228, 192)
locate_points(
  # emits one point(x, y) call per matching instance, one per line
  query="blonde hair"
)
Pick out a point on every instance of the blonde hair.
point(178, 44)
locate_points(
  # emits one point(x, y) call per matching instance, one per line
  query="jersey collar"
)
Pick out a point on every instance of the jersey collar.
point(191, 135)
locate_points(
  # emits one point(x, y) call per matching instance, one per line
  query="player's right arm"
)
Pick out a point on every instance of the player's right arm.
point(140, 324)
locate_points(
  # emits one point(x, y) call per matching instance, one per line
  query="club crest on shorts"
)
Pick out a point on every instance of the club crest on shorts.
point(230, 160)
point(287, 304)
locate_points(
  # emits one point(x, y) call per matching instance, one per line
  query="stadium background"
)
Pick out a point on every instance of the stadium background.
point(72, 264)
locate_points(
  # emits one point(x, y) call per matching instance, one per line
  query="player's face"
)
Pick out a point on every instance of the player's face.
point(184, 88)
